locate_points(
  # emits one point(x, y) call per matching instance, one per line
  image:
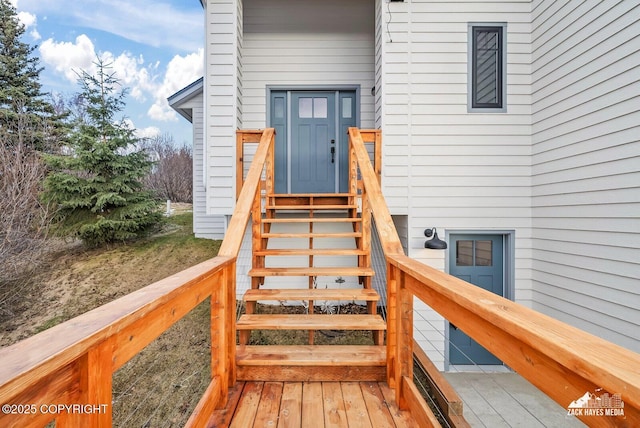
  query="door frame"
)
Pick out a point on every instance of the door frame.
point(356, 88)
point(508, 268)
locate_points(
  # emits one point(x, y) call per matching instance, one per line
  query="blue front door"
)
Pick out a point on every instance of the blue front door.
point(477, 259)
point(313, 137)
point(311, 153)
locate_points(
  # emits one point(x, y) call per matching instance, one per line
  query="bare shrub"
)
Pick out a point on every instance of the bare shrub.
point(24, 220)
point(172, 175)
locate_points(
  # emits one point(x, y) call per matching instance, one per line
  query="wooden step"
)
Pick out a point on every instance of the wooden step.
point(311, 252)
point(313, 235)
point(311, 271)
point(310, 322)
point(313, 220)
point(311, 355)
point(310, 207)
point(306, 363)
point(309, 195)
point(309, 199)
point(311, 294)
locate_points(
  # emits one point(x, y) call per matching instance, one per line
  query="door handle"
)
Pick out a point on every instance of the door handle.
point(333, 154)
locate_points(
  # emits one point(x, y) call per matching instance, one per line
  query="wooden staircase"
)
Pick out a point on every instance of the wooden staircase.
point(311, 249)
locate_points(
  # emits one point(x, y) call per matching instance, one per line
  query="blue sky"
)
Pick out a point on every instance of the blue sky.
point(155, 46)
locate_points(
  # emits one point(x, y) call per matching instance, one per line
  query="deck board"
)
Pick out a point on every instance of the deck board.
point(312, 404)
point(269, 406)
point(291, 406)
point(355, 406)
point(245, 413)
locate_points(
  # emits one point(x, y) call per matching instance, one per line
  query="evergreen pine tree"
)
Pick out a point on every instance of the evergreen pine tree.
point(97, 185)
point(26, 118)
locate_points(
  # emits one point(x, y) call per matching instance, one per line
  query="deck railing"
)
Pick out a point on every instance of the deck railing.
point(73, 363)
point(562, 361)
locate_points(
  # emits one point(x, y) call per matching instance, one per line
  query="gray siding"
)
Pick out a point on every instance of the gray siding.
point(586, 166)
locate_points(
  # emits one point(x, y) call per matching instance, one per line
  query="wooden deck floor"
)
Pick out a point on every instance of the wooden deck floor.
point(311, 404)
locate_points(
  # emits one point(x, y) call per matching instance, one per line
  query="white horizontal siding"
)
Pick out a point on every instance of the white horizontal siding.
point(222, 65)
point(586, 152)
point(204, 226)
point(302, 44)
point(443, 166)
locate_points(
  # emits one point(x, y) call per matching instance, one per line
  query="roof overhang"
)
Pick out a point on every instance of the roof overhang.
point(178, 100)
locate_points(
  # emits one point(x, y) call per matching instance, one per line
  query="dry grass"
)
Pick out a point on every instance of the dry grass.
point(77, 280)
point(160, 386)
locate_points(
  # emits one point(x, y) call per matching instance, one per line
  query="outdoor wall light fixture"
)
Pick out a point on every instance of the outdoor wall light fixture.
point(434, 243)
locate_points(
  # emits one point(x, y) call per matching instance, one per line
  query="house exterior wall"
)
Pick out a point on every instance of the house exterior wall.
point(586, 166)
point(222, 90)
point(558, 169)
point(301, 44)
point(204, 226)
point(443, 166)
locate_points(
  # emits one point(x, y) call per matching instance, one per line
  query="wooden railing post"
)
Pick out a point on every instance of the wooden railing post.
point(392, 326)
point(92, 407)
point(404, 337)
point(377, 155)
point(270, 167)
point(219, 335)
point(239, 162)
point(229, 278)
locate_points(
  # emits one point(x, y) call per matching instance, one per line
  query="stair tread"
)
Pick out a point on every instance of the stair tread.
point(311, 207)
point(309, 195)
point(312, 271)
point(313, 220)
point(313, 235)
point(310, 252)
point(311, 294)
point(311, 355)
point(310, 322)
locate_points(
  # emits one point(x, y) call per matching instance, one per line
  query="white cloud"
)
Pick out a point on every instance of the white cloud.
point(27, 19)
point(143, 80)
point(148, 132)
point(155, 23)
point(143, 133)
point(69, 58)
point(132, 73)
point(181, 71)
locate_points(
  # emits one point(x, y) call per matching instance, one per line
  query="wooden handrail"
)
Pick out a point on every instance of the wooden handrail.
point(562, 361)
point(240, 218)
point(73, 362)
point(64, 363)
point(384, 223)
